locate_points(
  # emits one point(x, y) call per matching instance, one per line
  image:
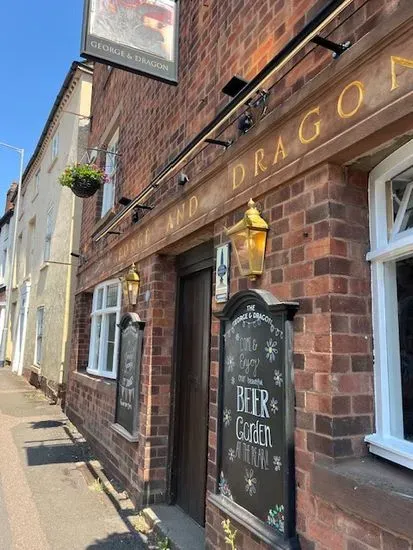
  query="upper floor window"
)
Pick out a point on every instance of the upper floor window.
point(38, 348)
point(111, 168)
point(30, 244)
point(391, 256)
point(36, 183)
point(104, 336)
point(55, 146)
point(48, 236)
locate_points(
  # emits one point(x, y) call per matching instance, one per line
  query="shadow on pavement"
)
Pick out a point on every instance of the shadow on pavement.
point(57, 454)
point(117, 541)
point(46, 424)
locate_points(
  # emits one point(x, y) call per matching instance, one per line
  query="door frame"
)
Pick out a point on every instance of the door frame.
point(21, 329)
point(192, 261)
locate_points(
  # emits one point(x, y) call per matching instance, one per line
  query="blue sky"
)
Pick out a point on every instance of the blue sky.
point(38, 41)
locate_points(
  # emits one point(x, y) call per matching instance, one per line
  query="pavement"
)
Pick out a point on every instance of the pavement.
point(49, 496)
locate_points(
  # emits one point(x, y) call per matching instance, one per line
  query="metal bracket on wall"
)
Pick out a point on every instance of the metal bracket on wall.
point(225, 144)
point(135, 211)
point(337, 49)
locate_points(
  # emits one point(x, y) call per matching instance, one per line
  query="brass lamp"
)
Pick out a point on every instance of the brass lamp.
point(131, 284)
point(249, 238)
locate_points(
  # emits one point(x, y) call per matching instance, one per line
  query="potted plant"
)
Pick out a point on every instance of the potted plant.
point(83, 179)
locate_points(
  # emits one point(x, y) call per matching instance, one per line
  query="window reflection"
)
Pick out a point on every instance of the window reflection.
point(404, 270)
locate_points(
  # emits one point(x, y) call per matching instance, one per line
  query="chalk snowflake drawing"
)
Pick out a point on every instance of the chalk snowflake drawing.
point(224, 487)
point(271, 350)
point(278, 378)
point(233, 380)
point(276, 518)
point(227, 417)
point(277, 463)
point(231, 454)
point(274, 405)
point(250, 482)
point(230, 363)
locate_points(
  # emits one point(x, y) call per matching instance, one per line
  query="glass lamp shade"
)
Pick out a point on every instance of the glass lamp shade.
point(249, 238)
point(131, 285)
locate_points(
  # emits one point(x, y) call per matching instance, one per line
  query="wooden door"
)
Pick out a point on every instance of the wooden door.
point(192, 372)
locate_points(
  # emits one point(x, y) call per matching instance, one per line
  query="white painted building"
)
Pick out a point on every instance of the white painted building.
point(48, 230)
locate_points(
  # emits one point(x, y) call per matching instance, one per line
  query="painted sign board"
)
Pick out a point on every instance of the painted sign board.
point(130, 357)
point(256, 472)
point(136, 35)
point(222, 273)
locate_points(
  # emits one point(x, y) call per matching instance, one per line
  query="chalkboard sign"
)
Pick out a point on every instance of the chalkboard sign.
point(256, 471)
point(130, 355)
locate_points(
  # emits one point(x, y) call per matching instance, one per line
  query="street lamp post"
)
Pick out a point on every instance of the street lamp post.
point(9, 283)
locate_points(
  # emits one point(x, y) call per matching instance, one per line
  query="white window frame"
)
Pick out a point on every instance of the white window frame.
point(388, 440)
point(55, 146)
point(49, 233)
point(111, 164)
point(39, 336)
point(100, 369)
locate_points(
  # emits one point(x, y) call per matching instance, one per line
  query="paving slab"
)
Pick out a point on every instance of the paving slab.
point(48, 498)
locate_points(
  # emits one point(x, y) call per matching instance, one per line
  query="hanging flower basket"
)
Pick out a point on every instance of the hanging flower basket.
point(83, 179)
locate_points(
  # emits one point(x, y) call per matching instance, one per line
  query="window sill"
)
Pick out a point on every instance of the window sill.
point(100, 385)
point(52, 164)
point(370, 488)
point(132, 438)
point(103, 221)
point(391, 448)
point(101, 375)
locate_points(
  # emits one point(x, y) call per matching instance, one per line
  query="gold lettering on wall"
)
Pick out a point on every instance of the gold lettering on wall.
point(238, 175)
point(180, 214)
point(408, 63)
point(279, 150)
point(316, 127)
point(193, 206)
point(259, 161)
point(360, 88)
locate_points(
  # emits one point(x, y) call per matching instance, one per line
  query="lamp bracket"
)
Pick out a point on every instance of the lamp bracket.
point(105, 151)
point(135, 211)
point(219, 142)
point(337, 49)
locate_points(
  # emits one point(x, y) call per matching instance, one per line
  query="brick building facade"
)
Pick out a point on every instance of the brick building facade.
point(317, 160)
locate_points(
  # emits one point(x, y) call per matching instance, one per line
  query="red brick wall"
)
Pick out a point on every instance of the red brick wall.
point(141, 466)
point(316, 253)
point(218, 39)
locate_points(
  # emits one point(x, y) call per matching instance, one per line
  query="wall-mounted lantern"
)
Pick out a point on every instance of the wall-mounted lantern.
point(131, 284)
point(249, 239)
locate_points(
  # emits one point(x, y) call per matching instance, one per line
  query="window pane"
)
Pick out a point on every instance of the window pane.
point(98, 334)
point(112, 296)
point(404, 270)
point(111, 321)
point(99, 300)
point(403, 200)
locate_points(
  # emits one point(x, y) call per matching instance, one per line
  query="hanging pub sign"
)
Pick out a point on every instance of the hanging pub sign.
point(136, 35)
point(256, 421)
point(130, 356)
